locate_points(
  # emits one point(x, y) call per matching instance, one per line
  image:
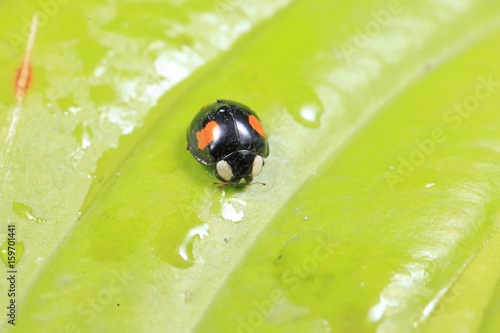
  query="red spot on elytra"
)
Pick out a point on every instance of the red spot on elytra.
point(256, 125)
point(206, 135)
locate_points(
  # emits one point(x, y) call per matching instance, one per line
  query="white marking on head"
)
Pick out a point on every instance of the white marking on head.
point(243, 181)
point(258, 163)
point(224, 170)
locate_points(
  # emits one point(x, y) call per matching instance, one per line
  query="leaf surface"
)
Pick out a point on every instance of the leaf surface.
point(381, 192)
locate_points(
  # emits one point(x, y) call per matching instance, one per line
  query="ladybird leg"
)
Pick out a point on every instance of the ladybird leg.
point(221, 185)
point(187, 147)
point(256, 183)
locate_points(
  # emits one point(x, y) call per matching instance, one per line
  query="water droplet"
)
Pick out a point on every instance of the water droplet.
point(65, 103)
point(300, 100)
point(308, 114)
point(18, 250)
point(25, 212)
point(327, 325)
point(74, 109)
point(83, 135)
point(174, 241)
point(430, 185)
point(229, 209)
point(99, 71)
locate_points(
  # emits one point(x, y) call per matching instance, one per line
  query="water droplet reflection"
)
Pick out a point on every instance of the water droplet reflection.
point(229, 209)
point(201, 230)
point(83, 135)
point(309, 113)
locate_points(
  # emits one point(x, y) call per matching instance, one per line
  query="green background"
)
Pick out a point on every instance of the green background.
point(381, 207)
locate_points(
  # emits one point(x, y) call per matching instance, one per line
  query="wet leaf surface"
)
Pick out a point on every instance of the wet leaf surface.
point(380, 211)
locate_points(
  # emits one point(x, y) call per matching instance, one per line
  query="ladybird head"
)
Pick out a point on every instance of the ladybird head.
point(239, 168)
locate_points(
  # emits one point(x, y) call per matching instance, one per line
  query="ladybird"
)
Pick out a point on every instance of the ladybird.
point(229, 135)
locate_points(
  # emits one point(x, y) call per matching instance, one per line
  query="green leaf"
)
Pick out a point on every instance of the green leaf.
point(380, 208)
